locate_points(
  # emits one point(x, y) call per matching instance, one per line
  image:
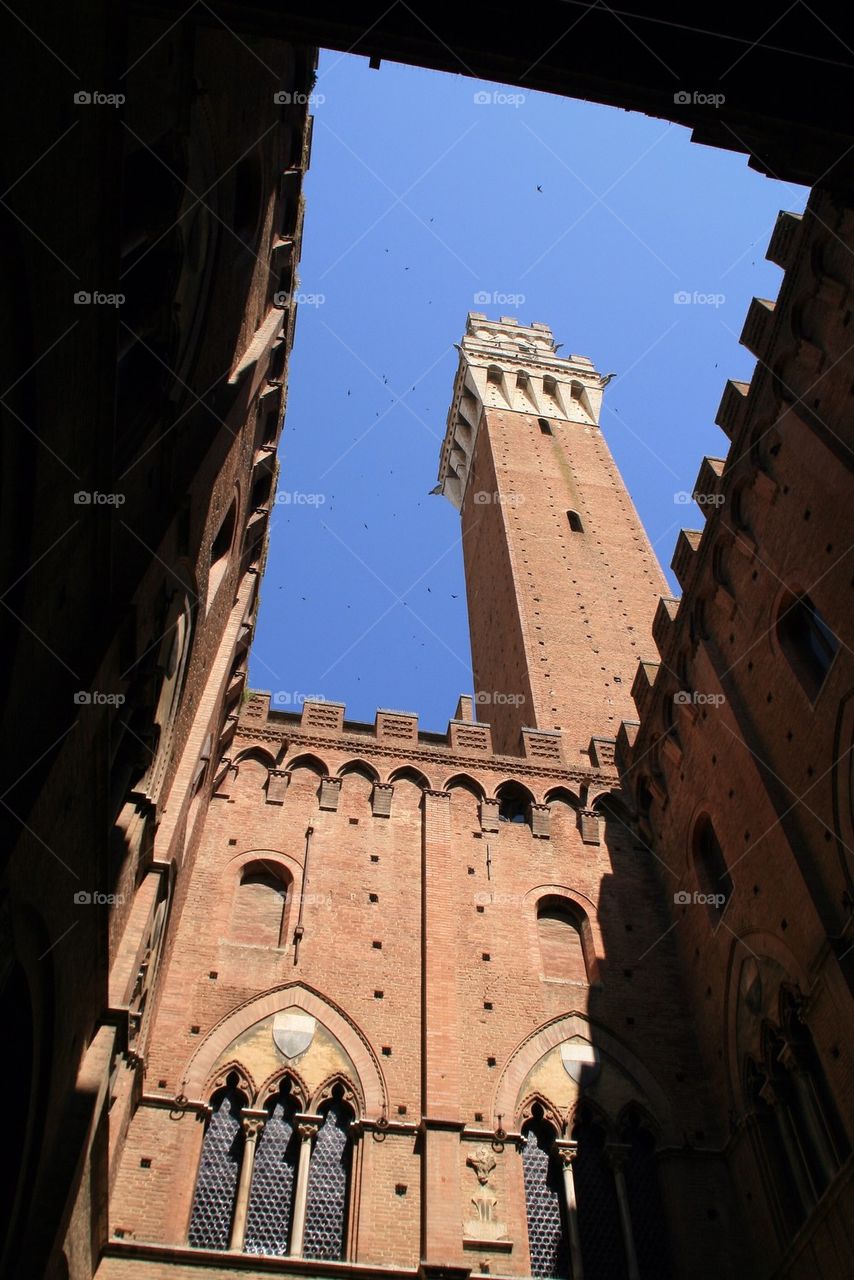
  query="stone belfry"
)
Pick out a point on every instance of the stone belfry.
point(560, 574)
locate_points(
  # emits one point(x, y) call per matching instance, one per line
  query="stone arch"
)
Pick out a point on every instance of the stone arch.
point(596, 1111)
point(553, 1033)
point(636, 1111)
point(350, 1092)
point(345, 1030)
point(268, 1087)
point(525, 1112)
point(220, 1080)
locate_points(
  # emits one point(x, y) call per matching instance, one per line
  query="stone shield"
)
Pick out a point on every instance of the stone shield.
point(293, 1032)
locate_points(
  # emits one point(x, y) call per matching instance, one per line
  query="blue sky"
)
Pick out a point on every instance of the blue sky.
point(420, 195)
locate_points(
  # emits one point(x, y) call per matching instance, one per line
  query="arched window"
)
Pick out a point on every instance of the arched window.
point(259, 911)
point(550, 386)
point(493, 375)
point(522, 380)
point(216, 1185)
point(514, 803)
point(807, 641)
point(714, 878)
point(561, 947)
point(268, 1218)
point(220, 549)
point(545, 426)
point(542, 1175)
point(602, 1245)
point(575, 522)
point(328, 1181)
point(646, 1207)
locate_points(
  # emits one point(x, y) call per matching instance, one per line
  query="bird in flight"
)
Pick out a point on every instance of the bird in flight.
point(539, 188)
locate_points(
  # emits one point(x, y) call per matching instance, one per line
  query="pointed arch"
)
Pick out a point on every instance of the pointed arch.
point(360, 767)
point(259, 754)
point(562, 795)
point(410, 774)
point(290, 994)
point(529, 1104)
point(348, 1090)
point(271, 1085)
point(549, 1035)
point(307, 761)
point(465, 782)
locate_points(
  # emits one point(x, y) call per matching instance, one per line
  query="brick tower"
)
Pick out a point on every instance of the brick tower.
point(562, 582)
point(421, 1011)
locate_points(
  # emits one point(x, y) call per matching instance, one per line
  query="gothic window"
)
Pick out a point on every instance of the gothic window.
point(542, 1176)
point(714, 878)
point(268, 1218)
point(807, 641)
point(602, 1246)
point(260, 906)
point(328, 1178)
point(575, 522)
point(216, 1186)
point(561, 948)
point(646, 1207)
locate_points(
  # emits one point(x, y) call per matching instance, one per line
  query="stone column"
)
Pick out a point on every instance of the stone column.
point(616, 1156)
point(567, 1151)
point(307, 1127)
point(252, 1123)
